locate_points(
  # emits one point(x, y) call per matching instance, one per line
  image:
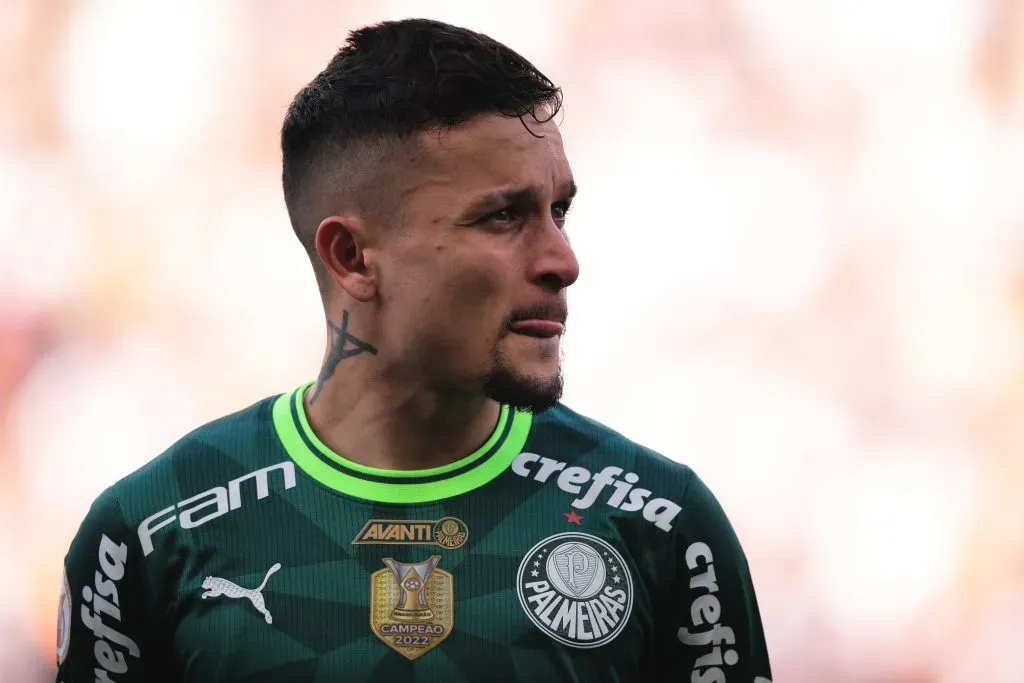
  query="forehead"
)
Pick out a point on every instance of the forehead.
point(495, 150)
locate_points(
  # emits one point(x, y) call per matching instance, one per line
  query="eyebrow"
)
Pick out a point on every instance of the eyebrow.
point(516, 196)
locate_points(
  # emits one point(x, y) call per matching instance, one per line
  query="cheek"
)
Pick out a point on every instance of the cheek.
point(462, 311)
point(476, 294)
point(455, 299)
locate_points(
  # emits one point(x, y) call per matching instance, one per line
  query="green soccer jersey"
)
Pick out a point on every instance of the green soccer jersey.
point(558, 551)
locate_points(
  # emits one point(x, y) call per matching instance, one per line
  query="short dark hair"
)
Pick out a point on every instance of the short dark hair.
point(389, 82)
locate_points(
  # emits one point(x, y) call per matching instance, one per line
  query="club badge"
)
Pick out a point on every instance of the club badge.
point(576, 588)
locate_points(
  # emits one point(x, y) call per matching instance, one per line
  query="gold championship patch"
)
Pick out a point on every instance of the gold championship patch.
point(448, 532)
point(412, 606)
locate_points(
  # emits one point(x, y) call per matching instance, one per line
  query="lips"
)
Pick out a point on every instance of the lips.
point(537, 327)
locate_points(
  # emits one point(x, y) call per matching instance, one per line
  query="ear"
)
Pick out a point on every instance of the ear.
point(340, 241)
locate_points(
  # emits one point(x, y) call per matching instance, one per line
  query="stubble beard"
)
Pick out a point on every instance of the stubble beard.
point(531, 394)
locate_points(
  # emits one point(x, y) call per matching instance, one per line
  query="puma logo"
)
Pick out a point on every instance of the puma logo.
point(216, 587)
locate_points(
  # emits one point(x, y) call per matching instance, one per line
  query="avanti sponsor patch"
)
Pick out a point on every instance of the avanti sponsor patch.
point(448, 532)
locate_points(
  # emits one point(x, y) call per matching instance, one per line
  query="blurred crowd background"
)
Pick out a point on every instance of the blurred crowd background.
point(801, 229)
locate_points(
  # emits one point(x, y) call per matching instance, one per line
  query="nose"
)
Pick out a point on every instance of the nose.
point(555, 266)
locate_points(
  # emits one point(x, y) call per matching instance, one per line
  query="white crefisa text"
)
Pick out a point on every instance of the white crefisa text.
point(624, 494)
point(709, 635)
point(101, 606)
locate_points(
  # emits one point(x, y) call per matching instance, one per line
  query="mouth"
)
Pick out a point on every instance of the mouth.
point(538, 328)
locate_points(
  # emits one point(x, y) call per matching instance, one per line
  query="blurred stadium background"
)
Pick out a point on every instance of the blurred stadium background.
point(801, 228)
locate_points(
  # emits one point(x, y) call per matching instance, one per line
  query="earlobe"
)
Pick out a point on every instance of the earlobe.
point(339, 243)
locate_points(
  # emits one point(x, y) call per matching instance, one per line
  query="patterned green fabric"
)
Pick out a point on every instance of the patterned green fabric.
point(558, 551)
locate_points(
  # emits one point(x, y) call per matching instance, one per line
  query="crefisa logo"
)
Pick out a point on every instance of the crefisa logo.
point(576, 588)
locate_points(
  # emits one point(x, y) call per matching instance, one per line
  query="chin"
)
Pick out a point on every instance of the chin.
point(532, 394)
point(533, 389)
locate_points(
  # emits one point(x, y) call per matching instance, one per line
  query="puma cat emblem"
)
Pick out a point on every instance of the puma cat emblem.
point(216, 587)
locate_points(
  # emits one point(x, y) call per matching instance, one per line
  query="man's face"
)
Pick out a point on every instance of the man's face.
point(473, 285)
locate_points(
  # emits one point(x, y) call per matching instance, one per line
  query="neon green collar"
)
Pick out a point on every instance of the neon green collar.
point(397, 486)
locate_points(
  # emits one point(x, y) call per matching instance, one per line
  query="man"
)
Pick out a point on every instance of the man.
point(426, 509)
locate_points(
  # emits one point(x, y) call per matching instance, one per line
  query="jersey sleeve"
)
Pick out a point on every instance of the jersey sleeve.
point(718, 631)
point(104, 631)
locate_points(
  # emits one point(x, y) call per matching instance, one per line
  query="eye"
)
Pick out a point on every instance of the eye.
point(559, 211)
point(506, 215)
point(503, 217)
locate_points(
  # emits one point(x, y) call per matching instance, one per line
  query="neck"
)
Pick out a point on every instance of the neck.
point(378, 418)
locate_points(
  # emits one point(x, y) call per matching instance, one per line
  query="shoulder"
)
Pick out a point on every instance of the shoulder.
point(602, 465)
point(587, 440)
point(222, 447)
